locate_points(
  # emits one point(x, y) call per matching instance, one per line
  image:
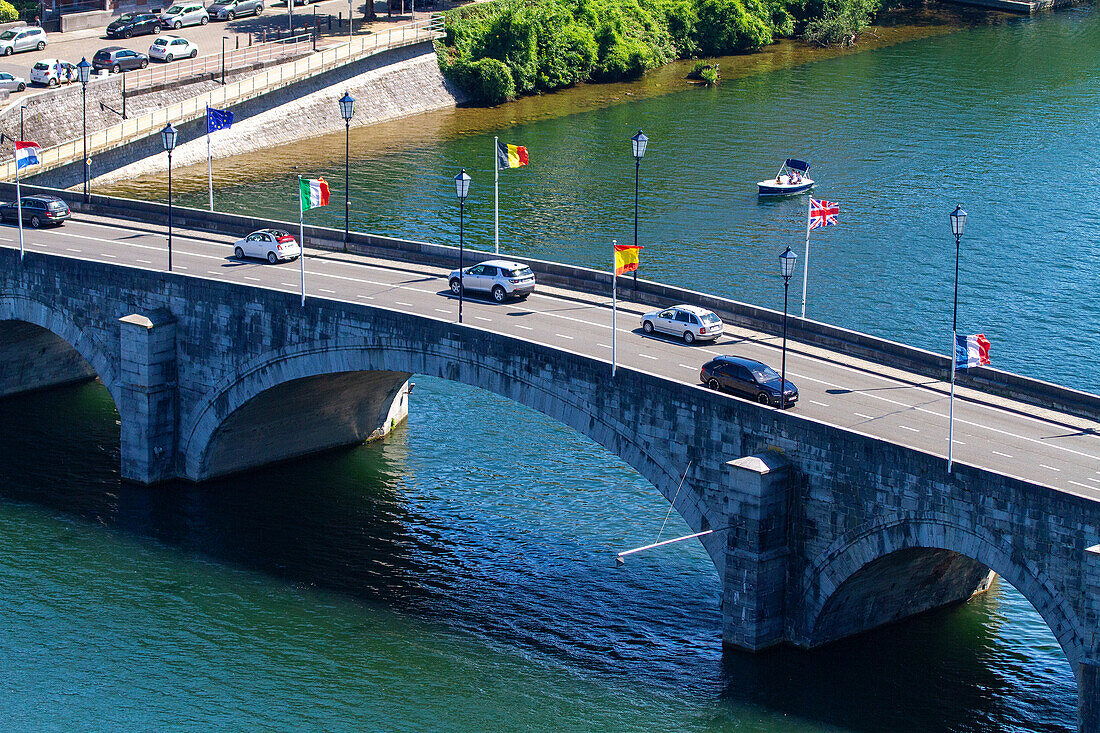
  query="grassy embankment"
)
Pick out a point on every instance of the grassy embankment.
point(500, 50)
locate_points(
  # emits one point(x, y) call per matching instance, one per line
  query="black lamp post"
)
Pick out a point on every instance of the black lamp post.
point(637, 144)
point(958, 221)
point(168, 135)
point(462, 188)
point(22, 108)
point(786, 267)
point(347, 109)
point(85, 71)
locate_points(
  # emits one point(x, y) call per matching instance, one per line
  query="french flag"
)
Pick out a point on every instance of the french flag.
point(971, 351)
point(26, 153)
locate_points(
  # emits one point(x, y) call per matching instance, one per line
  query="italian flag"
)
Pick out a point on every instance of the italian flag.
point(313, 192)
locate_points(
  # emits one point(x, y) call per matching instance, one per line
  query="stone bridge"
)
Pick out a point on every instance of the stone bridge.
point(821, 532)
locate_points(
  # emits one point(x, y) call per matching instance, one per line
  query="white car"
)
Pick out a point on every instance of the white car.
point(170, 48)
point(51, 72)
point(27, 38)
point(182, 14)
point(684, 321)
point(12, 83)
point(502, 279)
point(273, 245)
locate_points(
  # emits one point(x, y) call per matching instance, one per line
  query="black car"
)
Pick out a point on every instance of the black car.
point(747, 378)
point(133, 24)
point(37, 210)
point(116, 59)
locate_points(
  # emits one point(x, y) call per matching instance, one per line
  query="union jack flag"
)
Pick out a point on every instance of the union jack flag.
point(823, 213)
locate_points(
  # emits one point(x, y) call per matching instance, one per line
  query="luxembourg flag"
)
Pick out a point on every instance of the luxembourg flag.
point(26, 153)
point(971, 351)
point(314, 193)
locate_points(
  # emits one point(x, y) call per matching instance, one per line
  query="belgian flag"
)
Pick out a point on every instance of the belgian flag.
point(511, 156)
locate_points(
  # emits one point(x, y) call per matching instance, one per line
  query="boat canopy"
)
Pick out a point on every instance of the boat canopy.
point(798, 165)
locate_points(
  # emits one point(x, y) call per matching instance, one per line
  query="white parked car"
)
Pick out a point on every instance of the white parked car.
point(182, 14)
point(170, 48)
point(27, 38)
point(684, 321)
point(11, 82)
point(273, 245)
point(502, 279)
point(51, 72)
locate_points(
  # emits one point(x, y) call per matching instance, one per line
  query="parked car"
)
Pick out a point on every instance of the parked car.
point(747, 378)
point(170, 48)
point(117, 58)
point(182, 14)
point(11, 82)
point(29, 38)
point(37, 210)
point(230, 9)
point(684, 321)
point(133, 24)
point(500, 278)
point(51, 72)
point(274, 245)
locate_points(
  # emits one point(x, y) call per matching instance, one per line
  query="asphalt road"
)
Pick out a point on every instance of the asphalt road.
point(75, 45)
point(1045, 447)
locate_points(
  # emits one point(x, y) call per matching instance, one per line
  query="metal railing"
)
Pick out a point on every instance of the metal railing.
point(226, 96)
point(203, 66)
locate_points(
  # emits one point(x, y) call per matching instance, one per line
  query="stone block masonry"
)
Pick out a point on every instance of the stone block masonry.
point(824, 532)
point(40, 359)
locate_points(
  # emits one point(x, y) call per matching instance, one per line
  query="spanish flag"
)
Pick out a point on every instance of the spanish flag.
point(626, 258)
point(511, 156)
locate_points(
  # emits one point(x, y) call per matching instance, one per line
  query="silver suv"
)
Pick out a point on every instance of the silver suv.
point(502, 279)
point(688, 322)
point(230, 9)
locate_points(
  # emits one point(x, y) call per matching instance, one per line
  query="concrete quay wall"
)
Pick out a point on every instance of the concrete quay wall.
point(844, 341)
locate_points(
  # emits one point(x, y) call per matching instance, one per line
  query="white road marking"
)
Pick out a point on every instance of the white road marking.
point(442, 310)
point(365, 297)
point(1090, 478)
point(685, 366)
point(480, 318)
point(998, 453)
point(1085, 486)
point(180, 267)
point(401, 302)
point(647, 356)
point(1052, 468)
point(70, 249)
point(289, 285)
point(253, 279)
point(104, 254)
point(865, 417)
point(331, 292)
point(562, 335)
point(906, 427)
point(144, 262)
point(822, 404)
point(525, 328)
point(604, 346)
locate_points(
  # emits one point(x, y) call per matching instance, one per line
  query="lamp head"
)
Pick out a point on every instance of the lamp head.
point(786, 263)
point(462, 185)
point(347, 106)
point(958, 221)
point(85, 70)
point(638, 143)
point(168, 136)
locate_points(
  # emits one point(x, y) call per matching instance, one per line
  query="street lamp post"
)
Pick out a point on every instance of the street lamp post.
point(462, 188)
point(224, 39)
point(347, 109)
point(637, 144)
point(22, 108)
point(168, 137)
point(786, 268)
point(85, 71)
point(958, 221)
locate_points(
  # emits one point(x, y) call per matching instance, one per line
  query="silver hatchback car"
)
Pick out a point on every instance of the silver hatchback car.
point(688, 322)
point(501, 279)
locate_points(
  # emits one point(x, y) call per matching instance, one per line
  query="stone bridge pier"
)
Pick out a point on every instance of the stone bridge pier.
point(820, 532)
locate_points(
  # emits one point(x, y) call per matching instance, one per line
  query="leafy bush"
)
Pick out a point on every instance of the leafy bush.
point(704, 71)
point(840, 21)
point(8, 13)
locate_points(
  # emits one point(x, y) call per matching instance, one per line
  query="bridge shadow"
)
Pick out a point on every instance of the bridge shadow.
point(841, 390)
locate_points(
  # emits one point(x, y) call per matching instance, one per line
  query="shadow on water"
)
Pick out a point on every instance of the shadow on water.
point(345, 522)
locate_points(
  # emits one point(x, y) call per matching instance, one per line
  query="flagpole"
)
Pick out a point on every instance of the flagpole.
point(209, 164)
point(19, 207)
point(806, 259)
point(951, 408)
point(496, 195)
point(614, 303)
point(301, 239)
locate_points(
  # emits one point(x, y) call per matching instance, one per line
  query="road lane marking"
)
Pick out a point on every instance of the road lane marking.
point(647, 356)
point(822, 404)
point(70, 249)
point(604, 346)
point(144, 262)
point(865, 417)
point(562, 335)
point(1090, 478)
point(180, 267)
point(104, 254)
point(1084, 486)
point(1052, 468)
point(253, 279)
point(365, 297)
point(289, 285)
point(401, 302)
point(998, 453)
point(330, 292)
point(906, 427)
point(480, 318)
point(685, 366)
point(443, 310)
point(525, 328)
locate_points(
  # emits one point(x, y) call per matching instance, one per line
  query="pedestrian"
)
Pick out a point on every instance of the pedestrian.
point(37, 21)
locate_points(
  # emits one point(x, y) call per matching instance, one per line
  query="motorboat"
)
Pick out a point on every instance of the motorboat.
point(791, 179)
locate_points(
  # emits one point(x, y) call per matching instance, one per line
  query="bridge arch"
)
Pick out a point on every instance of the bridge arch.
point(199, 430)
point(834, 578)
point(21, 308)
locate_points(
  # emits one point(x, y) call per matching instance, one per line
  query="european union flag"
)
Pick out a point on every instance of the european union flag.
point(218, 119)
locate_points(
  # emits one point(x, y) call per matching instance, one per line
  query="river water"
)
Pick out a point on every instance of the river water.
point(458, 576)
